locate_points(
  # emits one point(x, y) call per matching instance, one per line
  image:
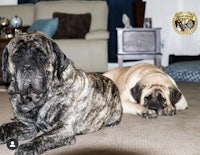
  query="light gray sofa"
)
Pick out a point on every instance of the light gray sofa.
point(90, 53)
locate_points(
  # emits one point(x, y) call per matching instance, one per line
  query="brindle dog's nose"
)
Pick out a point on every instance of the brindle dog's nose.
point(27, 66)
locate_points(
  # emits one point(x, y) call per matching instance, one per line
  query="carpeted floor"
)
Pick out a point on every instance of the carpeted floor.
point(165, 135)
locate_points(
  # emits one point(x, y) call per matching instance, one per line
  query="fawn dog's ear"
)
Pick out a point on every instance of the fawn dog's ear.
point(175, 95)
point(136, 92)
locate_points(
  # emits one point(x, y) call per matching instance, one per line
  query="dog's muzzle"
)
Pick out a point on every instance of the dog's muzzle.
point(155, 102)
point(30, 80)
point(157, 107)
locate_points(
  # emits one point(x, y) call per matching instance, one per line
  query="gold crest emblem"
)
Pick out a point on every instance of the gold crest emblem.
point(185, 22)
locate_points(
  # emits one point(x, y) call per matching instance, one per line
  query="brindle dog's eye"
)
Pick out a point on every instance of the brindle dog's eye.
point(42, 56)
point(17, 55)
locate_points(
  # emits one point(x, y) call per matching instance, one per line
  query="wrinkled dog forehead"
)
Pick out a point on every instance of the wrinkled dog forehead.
point(38, 42)
point(28, 40)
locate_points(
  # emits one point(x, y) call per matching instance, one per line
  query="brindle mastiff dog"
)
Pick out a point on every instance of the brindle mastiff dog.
point(49, 94)
point(147, 91)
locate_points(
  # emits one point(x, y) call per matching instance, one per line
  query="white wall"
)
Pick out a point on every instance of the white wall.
point(8, 2)
point(162, 12)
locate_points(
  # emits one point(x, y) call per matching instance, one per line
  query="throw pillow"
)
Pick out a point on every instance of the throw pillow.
point(188, 71)
point(72, 26)
point(48, 26)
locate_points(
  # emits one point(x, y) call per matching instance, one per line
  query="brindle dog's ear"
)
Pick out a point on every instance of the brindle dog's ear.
point(175, 95)
point(61, 62)
point(136, 92)
point(6, 73)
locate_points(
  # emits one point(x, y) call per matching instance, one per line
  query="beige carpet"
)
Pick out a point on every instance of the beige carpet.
point(175, 135)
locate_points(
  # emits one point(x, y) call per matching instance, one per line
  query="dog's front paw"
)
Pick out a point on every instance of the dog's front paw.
point(148, 113)
point(26, 149)
point(169, 111)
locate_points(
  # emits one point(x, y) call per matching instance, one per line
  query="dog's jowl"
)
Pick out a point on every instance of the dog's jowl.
point(49, 94)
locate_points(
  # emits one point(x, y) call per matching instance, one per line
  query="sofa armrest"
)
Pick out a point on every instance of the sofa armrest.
point(97, 34)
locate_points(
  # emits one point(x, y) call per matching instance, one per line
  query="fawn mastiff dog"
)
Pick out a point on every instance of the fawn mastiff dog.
point(147, 91)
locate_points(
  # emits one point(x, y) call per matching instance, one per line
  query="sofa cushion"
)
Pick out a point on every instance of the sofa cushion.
point(48, 26)
point(72, 26)
point(97, 34)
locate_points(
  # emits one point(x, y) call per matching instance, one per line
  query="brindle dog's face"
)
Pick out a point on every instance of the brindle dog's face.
point(30, 64)
point(31, 61)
